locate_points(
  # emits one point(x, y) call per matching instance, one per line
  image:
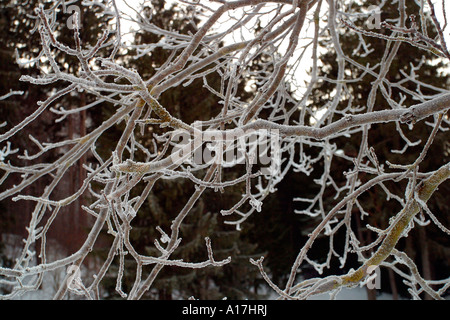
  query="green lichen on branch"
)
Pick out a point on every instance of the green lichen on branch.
point(165, 118)
point(423, 193)
point(130, 166)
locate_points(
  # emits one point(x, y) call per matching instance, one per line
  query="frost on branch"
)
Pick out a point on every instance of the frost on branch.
point(278, 113)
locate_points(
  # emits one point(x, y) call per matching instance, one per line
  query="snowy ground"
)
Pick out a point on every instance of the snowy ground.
point(352, 294)
point(47, 292)
point(53, 279)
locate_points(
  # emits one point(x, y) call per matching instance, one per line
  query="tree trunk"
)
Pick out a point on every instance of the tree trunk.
point(371, 293)
point(425, 257)
point(393, 284)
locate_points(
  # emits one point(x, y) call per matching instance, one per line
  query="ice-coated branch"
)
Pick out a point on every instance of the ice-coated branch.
point(395, 231)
